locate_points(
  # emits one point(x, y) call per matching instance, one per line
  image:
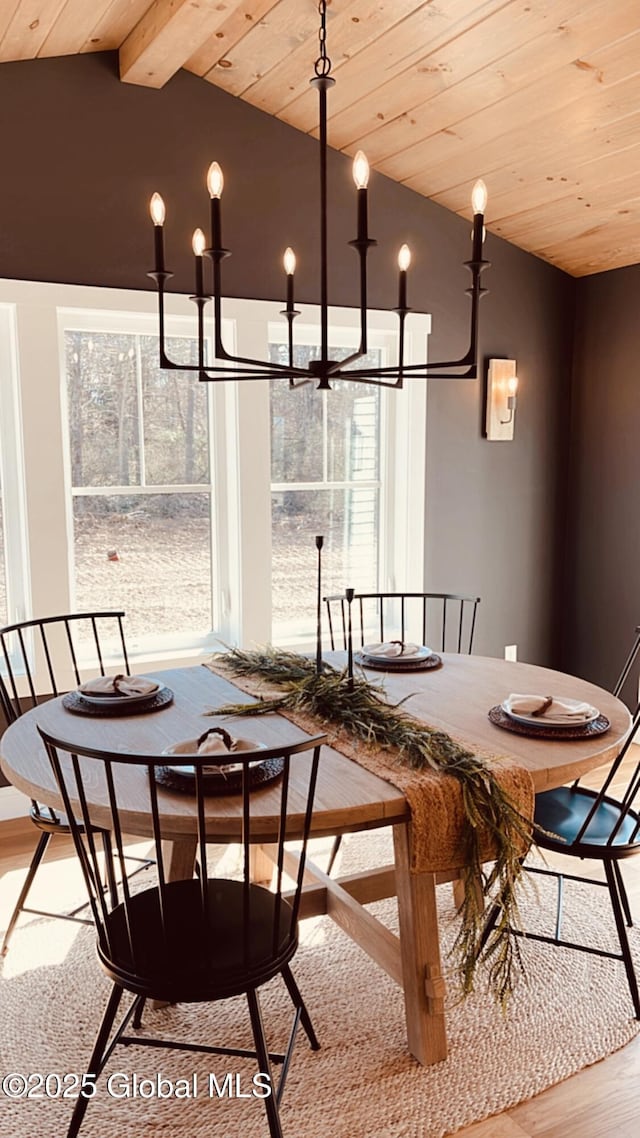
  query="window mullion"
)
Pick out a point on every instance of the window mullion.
point(140, 417)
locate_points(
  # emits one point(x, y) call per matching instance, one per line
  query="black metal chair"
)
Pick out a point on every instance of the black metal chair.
point(198, 940)
point(62, 649)
point(594, 825)
point(443, 621)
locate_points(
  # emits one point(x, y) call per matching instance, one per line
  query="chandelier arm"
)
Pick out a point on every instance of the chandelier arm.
point(205, 376)
point(427, 370)
point(160, 276)
point(251, 368)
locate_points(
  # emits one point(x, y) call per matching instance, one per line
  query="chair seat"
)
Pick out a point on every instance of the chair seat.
point(231, 950)
point(54, 822)
point(563, 812)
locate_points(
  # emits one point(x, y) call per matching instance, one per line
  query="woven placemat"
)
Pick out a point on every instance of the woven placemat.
point(73, 701)
point(260, 774)
point(499, 717)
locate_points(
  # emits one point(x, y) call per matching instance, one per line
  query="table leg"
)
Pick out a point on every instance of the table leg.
point(179, 858)
point(459, 892)
point(424, 986)
point(261, 864)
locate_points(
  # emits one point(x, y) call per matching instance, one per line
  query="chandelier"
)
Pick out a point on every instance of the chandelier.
point(228, 366)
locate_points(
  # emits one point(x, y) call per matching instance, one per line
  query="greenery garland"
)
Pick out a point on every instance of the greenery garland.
point(360, 708)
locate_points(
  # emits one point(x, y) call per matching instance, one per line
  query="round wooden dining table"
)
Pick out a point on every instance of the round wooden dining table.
point(455, 697)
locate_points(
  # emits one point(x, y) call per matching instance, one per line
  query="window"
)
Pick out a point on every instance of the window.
point(139, 453)
point(194, 507)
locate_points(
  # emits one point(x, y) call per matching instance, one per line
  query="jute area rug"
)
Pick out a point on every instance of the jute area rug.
point(572, 1011)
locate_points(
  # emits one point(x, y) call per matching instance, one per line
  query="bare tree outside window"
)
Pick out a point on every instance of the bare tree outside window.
point(139, 449)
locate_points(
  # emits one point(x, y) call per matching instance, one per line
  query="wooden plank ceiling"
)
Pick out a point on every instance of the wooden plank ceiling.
point(539, 97)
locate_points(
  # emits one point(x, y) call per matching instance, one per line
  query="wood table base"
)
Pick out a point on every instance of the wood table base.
point(413, 958)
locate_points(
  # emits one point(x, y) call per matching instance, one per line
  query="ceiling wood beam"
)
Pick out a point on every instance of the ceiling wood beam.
point(165, 37)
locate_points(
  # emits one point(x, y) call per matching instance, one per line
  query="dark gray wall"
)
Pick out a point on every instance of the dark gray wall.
point(603, 528)
point(82, 154)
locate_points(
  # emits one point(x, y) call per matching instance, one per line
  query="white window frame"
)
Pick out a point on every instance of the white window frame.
point(14, 536)
point(39, 556)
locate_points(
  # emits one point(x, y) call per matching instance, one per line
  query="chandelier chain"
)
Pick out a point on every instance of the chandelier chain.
point(322, 65)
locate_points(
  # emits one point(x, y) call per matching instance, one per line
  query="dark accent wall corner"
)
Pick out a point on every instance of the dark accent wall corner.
point(603, 526)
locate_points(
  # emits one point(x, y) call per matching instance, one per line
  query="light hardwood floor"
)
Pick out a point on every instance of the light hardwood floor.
point(603, 1101)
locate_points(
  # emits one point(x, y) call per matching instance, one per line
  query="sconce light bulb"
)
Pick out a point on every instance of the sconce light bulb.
point(215, 180)
point(404, 258)
point(512, 385)
point(479, 197)
point(198, 242)
point(361, 170)
point(289, 261)
point(157, 210)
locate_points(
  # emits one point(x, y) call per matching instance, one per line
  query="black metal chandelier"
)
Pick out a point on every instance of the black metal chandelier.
point(228, 366)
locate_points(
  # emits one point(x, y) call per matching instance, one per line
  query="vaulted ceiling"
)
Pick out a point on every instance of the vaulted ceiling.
point(541, 98)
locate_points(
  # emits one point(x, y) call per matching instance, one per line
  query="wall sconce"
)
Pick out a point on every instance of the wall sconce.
point(502, 388)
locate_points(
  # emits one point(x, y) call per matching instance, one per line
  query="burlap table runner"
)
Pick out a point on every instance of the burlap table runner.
point(438, 820)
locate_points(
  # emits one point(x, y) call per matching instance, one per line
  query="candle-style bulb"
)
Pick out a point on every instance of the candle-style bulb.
point(157, 210)
point(512, 385)
point(289, 261)
point(198, 242)
point(215, 180)
point(479, 197)
point(404, 258)
point(361, 170)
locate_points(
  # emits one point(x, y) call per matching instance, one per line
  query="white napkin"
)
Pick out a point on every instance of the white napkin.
point(391, 649)
point(567, 710)
point(119, 685)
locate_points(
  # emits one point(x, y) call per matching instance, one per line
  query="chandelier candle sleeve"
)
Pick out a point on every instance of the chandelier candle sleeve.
point(158, 213)
point(198, 245)
point(478, 205)
point(215, 184)
point(404, 260)
point(361, 179)
point(289, 260)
